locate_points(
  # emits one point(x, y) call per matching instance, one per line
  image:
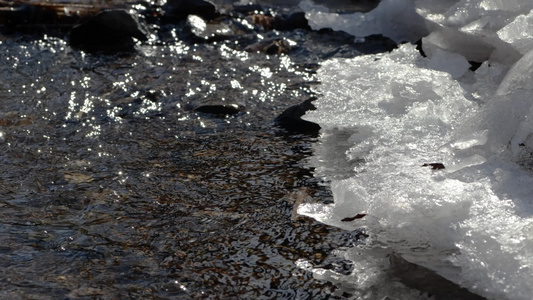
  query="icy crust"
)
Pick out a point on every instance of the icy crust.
point(470, 222)
point(395, 19)
point(479, 30)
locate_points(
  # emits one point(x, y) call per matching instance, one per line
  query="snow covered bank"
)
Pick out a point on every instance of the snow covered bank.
point(472, 221)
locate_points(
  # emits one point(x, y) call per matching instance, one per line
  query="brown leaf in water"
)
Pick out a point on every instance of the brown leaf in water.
point(78, 178)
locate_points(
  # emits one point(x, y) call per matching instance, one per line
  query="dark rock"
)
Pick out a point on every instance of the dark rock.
point(16, 14)
point(180, 9)
point(277, 46)
point(247, 9)
point(42, 17)
point(284, 23)
point(197, 27)
point(262, 20)
point(150, 95)
point(201, 31)
point(348, 6)
point(291, 22)
point(220, 110)
point(291, 119)
point(108, 31)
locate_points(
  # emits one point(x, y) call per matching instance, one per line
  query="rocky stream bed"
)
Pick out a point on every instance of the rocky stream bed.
point(154, 168)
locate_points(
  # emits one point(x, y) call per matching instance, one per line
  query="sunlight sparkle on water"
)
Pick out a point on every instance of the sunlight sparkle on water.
point(227, 52)
point(235, 84)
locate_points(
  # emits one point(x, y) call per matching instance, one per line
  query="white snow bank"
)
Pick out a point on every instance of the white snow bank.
point(471, 222)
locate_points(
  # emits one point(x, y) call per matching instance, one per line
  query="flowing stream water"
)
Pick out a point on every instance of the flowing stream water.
point(112, 186)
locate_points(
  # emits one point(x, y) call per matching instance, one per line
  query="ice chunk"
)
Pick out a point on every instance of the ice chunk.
point(395, 19)
point(453, 63)
point(505, 5)
point(470, 220)
point(469, 28)
point(475, 139)
point(403, 113)
point(519, 33)
point(476, 212)
point(451, 40)
point(513, 107)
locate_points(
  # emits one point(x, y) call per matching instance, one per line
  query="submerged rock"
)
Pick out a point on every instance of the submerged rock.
point(290, 22)
point(293, 21)
point(202, 31)
point(180, 9)
point(277, 46)
point(291, 118)
point(108, 31)
point(220, 110)
point(348, 6)
point(24, 13)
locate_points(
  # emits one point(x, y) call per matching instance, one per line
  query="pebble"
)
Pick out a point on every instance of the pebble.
point(219, 109)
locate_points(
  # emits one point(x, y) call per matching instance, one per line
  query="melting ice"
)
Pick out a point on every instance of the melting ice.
point(471, 222)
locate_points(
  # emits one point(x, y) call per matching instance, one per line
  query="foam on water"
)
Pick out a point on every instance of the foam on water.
point(471, 222)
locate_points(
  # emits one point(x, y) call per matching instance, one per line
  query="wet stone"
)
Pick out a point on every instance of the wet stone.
point(276, 46)
point(108, 31)
point(219, 110)
point(262, 20)
point(342, 6)
point(291, 22)
point(180, 9)
point(27, 16)
point(202, 31)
